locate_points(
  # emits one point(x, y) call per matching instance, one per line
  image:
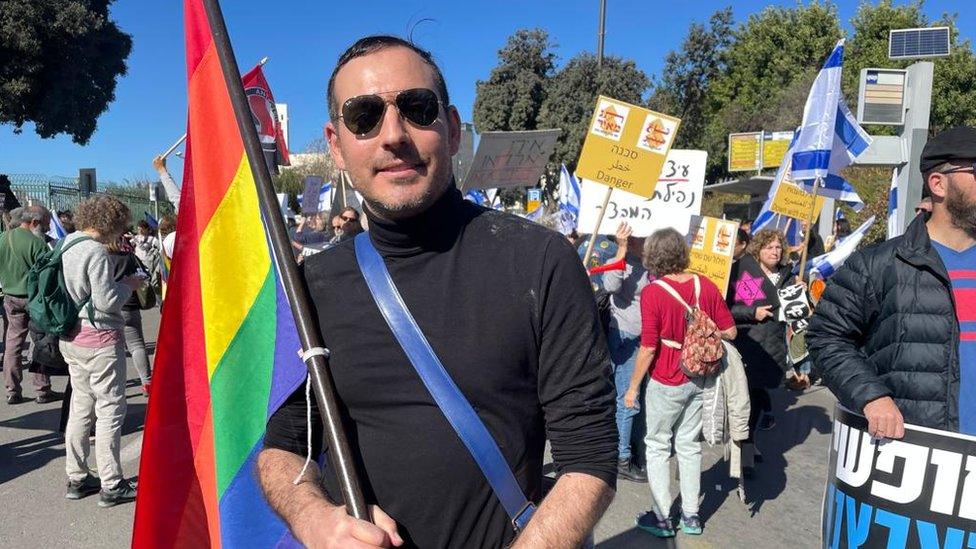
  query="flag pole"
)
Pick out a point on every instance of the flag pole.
point(606, 198)
point(806, 236)
point(295, 290)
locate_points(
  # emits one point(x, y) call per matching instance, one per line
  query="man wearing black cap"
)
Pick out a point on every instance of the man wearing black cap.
point(894, 336)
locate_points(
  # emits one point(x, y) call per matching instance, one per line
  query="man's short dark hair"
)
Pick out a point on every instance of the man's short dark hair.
point(373, 44)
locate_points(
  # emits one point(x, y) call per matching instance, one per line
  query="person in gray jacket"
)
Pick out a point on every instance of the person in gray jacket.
point(94, 352)
point(623, 338)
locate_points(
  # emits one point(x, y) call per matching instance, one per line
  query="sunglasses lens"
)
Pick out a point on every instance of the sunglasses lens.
point(361, 114)
point(418, 105)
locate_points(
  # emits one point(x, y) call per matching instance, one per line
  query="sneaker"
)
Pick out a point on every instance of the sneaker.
point(15, 398)
point(766, 422)
point(654, 525)
point(49, 396)
point(78, 489)
point(690, 524)
point(123, 492)
point(628, 470)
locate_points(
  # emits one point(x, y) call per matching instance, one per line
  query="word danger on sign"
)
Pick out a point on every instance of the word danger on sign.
point(677, 197)
point(919, 491)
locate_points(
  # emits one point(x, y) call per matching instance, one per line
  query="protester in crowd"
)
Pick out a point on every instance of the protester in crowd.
point(125, 263)
point(94, 351)
point(623, 338)
point(170, 188)
point(348, 226)
point(145, 245)
point(19, 250)
point(167, 231)
point(746, 226)
point(673, 402)
point(815, 244)
point(742, 239)
point(309, 231)
point(753, 299)
point(336, 225)
point(67, 220)
point(894, 335)
point(532, 364)
point(842, 229)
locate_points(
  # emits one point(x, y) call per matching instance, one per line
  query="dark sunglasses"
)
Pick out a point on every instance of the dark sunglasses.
point(362, 113)
point(344, 218)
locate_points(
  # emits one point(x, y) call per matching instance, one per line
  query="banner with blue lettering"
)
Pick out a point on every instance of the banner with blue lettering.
point(917, 492)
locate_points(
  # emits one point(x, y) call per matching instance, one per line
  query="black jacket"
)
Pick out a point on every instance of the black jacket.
point(762, 344)
point(886, 326)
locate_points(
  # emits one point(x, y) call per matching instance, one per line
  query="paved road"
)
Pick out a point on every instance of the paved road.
point(783, 507)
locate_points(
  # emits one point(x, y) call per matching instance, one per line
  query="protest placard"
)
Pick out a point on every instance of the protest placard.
point(711, 243)
point(310, 198)
point(745, 151)
point(775, 145)
point(919, 491)
point(792, 201)
point(626, 146)
point(510, 159)
point(533, 199)
point(677, 196)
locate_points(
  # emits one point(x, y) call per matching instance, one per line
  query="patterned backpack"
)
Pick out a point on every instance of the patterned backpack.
point(701, 350)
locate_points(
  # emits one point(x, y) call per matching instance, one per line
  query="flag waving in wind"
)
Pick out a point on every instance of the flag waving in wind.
point(828, 263)
point(227, 344)
point(829, 138)
point(567, 217)
point(265, 115)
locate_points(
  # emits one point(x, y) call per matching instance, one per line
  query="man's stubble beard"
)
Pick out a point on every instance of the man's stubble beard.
point(410, 208)
point(961, 212)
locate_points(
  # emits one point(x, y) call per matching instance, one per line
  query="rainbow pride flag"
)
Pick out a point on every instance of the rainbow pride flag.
point(226, 354)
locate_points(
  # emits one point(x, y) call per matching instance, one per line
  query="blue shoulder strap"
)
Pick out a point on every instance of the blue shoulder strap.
point(448, 397)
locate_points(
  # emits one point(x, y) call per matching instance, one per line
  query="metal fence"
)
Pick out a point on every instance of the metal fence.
point(63, 193)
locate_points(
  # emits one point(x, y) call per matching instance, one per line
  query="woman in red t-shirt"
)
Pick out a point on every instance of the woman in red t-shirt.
point(673, 401)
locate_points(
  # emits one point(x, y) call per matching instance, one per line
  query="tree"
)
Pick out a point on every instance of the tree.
point(59, 61)
point(511, 97)
point(770, 65)
point(953, 102)
point(688, 74)
point(572, 96)
point(313, 160)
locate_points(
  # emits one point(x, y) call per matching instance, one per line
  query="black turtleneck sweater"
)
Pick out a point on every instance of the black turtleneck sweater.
point(507, 307)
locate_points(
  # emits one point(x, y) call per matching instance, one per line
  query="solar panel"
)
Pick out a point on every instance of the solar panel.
point(915, 43)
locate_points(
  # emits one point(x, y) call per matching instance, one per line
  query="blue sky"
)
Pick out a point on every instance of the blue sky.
point(303, 39)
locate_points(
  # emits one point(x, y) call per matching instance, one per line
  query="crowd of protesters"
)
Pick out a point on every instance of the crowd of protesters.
point(894, 335)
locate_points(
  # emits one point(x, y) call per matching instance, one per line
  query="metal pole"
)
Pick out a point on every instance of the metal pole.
point(295, 290)
point(172, 148)
point(806, 235)
point(606, 199)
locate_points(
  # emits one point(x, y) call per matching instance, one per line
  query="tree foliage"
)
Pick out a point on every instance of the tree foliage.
point(773, 58)
point(572, 97)
point(688, 75)
point(511, 97)
point(59, 61)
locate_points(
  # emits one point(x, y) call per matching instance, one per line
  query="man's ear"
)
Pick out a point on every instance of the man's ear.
point(454, 129)
point(332, 138)
point(938, 185)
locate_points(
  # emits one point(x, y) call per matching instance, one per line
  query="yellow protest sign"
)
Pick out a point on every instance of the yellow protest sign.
point(711, 248)
point(792, 201)
point(626, 146)
point(745, 151)
point(775, 145)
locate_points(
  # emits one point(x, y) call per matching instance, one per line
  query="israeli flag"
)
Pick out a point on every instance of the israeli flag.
point(55, 230)
point(829, 138)
point(893, 205)
point(827, 264)
point(838, 214)
point(767, 219)
point(567, 217)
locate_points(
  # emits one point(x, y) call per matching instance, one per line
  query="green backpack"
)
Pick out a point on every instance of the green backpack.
point(49, 305)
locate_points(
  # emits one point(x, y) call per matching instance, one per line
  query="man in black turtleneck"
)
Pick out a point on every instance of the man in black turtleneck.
point(504, 303)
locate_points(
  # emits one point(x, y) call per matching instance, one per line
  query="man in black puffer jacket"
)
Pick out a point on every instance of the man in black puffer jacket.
point(886, 335)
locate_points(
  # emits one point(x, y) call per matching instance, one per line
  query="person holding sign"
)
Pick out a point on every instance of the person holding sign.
point(894, 335)
point(623, 338)
point(753, 297)
point(673, 400)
